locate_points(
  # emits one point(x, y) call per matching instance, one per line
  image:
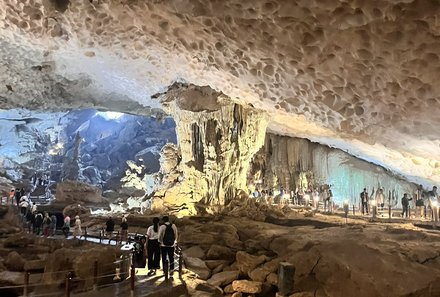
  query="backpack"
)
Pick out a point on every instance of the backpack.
point(168, 237)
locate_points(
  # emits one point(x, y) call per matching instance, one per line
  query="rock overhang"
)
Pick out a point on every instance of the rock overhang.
point(358, 75)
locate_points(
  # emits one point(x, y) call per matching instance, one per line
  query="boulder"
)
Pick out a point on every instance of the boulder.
point(246, 286)
point(34, 265)
point(223, 278)
point(212, 290)
point(228, 289)
point(219, 252)
point(73, 210)
point(18, 240)
point(259, 274)
point(272, 279)
point(194, 252)
point(247, 262)
point(14, 261)
point(70, 192)
point(198, 266)
point(212, 264)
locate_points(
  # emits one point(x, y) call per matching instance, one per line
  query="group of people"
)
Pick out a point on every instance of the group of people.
point(423, 202)
point(158, 243)
point(110, 228)
point(308, 197)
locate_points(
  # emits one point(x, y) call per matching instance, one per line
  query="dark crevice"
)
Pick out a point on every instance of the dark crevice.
point(197, 147)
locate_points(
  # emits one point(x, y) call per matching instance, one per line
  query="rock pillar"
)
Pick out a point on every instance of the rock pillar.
point(217, 139)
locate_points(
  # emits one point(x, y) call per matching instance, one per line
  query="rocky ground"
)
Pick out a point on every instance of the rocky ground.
point(229, 255)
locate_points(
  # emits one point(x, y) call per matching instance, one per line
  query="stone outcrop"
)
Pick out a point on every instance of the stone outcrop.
point(69, 192)
point(217, 140)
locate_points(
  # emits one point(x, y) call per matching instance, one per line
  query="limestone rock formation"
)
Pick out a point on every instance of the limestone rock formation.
point(217, 139)
point(69, 192)
point(299, 163)
point(358, 75)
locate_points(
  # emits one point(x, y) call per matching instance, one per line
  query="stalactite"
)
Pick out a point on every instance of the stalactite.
point(217, 139)
point(289, 160)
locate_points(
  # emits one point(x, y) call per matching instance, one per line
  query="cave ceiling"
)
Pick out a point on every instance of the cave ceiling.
point(358, 75)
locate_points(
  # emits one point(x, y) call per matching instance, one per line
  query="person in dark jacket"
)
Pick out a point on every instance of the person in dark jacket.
point(405, 205)
point(109, 227)
point(38, 223)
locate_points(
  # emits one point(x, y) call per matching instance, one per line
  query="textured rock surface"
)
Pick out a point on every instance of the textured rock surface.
point(77, 192)
point(361, 72)
point(217, 140)
point(294, 163)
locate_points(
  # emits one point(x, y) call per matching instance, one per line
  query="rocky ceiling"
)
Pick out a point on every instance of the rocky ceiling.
point(360, 75)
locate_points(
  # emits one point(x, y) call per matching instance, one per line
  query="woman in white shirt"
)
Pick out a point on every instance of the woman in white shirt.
point(153, 247)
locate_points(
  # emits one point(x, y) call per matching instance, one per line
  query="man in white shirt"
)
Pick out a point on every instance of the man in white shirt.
point(168, 239)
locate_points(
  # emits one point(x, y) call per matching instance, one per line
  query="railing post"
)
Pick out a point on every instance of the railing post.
point(132, 276)
point(354, 213)
point(118, 239)
point(100, 236)
point(68, 280)
point(389, 211)
point(165, 269)
point(95, 275)
point(286, 274)
point(85, 233)
point(179, 252)
point(26, 284)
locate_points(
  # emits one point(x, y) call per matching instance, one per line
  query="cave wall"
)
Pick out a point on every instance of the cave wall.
point(295, 162)
point(217, 139)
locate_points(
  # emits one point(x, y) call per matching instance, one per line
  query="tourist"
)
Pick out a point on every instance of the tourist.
point(405, 205)
point(420, 204)
point(66, 226)
point(77, 231)
point(153, 247)
point(380, 199)
point(24, 204)
point(433, 203)
point(124, 229)
point(168, 238)
point(109, 228)
point(46, 224)
point(53, 224)
point(17, 196)
point(38, 223)
point(364, 201)
point(30, 220)
point(11, 196)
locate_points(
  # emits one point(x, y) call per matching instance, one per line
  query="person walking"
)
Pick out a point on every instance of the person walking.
point(364, 201)
point(124, 229)
point(109, 228)
point(38, 223)
point(66, 226)
point(53, 225)
point(153, 247)
point(77, 231)
point(405, 205)
point(24, 204)
point(46, 224)
point(167, 238)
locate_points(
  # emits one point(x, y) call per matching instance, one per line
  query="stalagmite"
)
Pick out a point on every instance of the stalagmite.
point(217, 139)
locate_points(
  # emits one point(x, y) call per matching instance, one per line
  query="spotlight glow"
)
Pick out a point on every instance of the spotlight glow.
point(110, 115)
